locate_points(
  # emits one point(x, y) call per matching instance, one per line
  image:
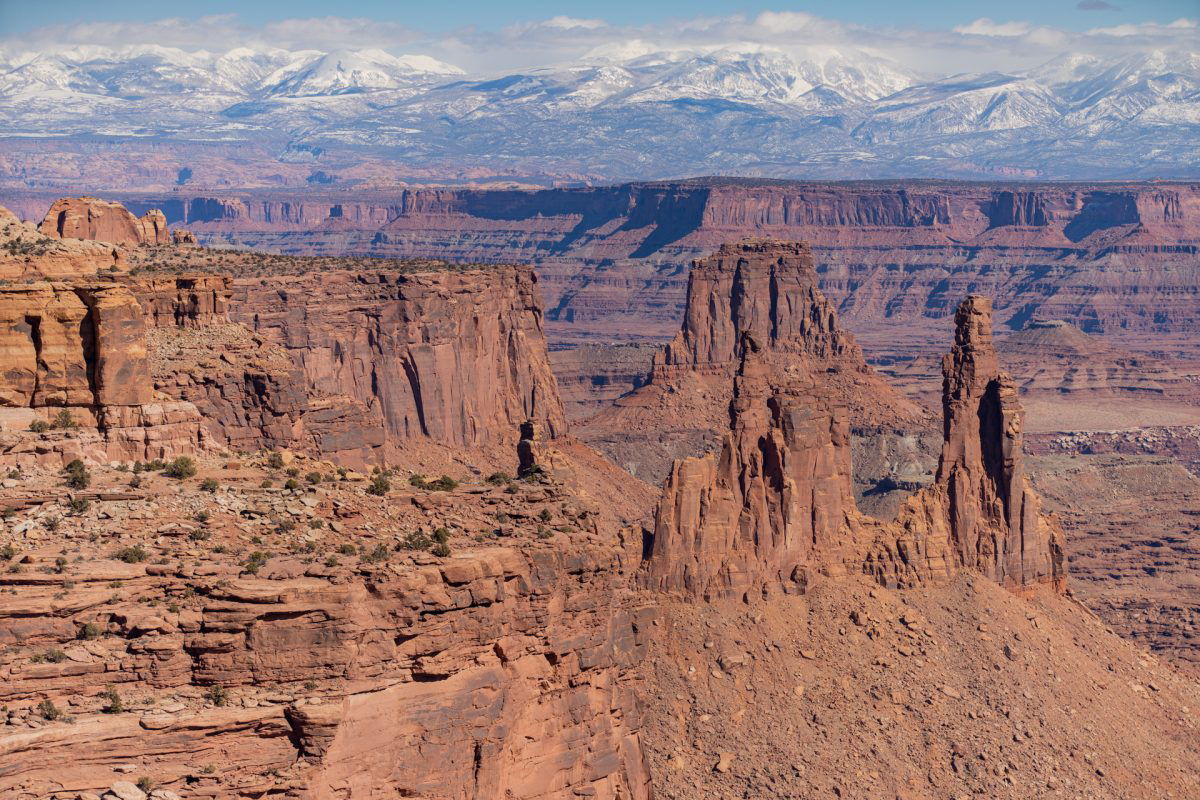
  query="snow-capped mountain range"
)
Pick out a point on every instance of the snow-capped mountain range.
point(625, 114)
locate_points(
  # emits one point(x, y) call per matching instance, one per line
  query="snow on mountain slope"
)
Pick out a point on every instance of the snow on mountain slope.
point(634, 111)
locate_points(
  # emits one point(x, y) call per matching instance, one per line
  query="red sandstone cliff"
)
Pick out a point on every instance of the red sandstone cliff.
point(458, 358)
point(81, 349)
point(1110, 258)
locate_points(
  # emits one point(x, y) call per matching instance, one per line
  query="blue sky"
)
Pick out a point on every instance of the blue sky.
point(17, 16)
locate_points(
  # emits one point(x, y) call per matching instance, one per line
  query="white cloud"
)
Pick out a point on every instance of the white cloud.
point(981, 45)
point(985, 27)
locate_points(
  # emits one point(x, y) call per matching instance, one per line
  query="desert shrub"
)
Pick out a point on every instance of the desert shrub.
point(284, 526)
point(544, 515)
point(347, 549)
point(291, 484)
point(380, 486)
point(418, 480)
point(51, 523)
point(203, 516)
point(441, 549)
point(499, 478)
point(48, 711)
point(90, 630)
point(217, 694)
point(378, 555)
point(275, 460)
point(332, 561)
point(442, 484)
point(63, 421)
point(145, 784)
point(292, 472)
point(39, 426)
point(316, 523)
point(441, 535)
point(157, 465)
point(131, 555)
point(52, 656)
point(534, 472)
point(266, 484)
point(209, 485)
point(255, 562)
point(77, 475)
point(115, 704)
point(135, 481)
point(313, 477)
point(180, 468)
point(416, 540)
point(79, 505)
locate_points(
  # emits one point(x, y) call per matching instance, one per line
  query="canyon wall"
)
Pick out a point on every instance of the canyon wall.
point(79, 350)
point(458, 358)
point(1118, 259)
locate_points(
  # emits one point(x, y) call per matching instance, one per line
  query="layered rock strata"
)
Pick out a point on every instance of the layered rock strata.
point(27, 254)
point(777, 503)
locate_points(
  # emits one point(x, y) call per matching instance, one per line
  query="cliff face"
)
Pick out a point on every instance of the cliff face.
point(774, 502)
point(458, 358)
point(99, 220)
point(777, 503)
point(82, 348)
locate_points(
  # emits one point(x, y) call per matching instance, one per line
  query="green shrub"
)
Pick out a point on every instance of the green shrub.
point(63, 421)
point(39, 426)
point(115, 704)
point(544, 515)
point(79, 505)
point(441, 535)
point(157, 465)
point(332, 561)
point(145, 784)
point(217, 694)
point(48, 710)
point(380, 486)
point(131, 555)
point(266, 484)
point(533, 472)
point(347, 549)
point(51, 656)
point(313, 477)
point(180, 468)
point(255, 562)
point(203, 516)
point(441, 550)
point(275, 460)
point(8, 551)
point(442, 484)
point(499, 478)
point(77, 475)
point(379, 554)
point(416, 540)
point(209, 485)
point(90, 630)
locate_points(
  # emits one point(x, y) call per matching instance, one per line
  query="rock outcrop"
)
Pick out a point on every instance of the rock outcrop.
point(457, 358)
point(80, 349)
point(103, 221)
point(188, 301)
point(777, 504)
point(27, 254)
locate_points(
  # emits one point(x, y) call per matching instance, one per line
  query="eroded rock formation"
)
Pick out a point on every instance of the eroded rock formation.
point(995, 519)
point(769, 290)
point(778, 503)
point(103, 221)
